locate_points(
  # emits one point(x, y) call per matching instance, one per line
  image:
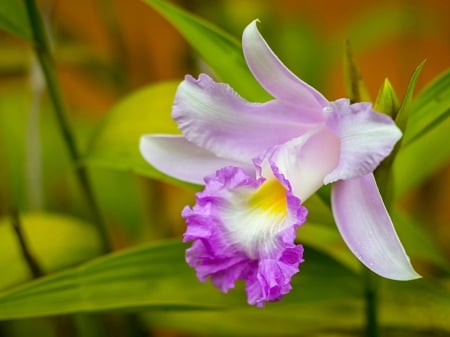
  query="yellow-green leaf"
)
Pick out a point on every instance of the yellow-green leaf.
point(115, 144)
point(55, 241)
point(387, 101)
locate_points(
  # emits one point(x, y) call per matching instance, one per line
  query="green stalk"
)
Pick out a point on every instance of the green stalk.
point(27, 255)
point(371, 303)
point(43, 52)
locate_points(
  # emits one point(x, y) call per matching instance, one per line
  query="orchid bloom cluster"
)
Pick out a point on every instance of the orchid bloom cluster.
point(260, 161)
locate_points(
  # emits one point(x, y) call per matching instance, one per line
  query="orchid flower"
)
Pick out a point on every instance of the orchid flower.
point(260, 161)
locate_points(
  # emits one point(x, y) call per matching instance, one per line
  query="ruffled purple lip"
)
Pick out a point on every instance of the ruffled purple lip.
point(216, 253)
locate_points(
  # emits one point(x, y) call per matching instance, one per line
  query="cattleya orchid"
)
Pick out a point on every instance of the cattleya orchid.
point(260, 161)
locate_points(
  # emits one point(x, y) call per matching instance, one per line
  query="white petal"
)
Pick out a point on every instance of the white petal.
point(213, 116)
point(367, 137)
point(178, 158)
point(276, 78)
point(367, 229)
point(306, 160)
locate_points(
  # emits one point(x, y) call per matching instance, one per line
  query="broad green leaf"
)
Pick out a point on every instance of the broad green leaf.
point(14, 19)
point(55, 241)
point(430, 108)
point(387, 101)
point(416, 308)
point(157, 277)
point(404, 111)
point(301, 320)
point(415, 305)
point(115, 145)
point(354, 84)
point(221, 52)
point(419, 160)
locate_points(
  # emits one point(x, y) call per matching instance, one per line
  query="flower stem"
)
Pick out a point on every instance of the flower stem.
point(43, 52)
point(371, 302)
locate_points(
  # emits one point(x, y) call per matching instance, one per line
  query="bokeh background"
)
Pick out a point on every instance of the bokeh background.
point(105, 50)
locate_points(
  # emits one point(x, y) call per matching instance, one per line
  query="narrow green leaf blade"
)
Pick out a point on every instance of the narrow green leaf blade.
point(422, 152)
point(429, 109)
point(419, 160)
point(115, 145)
point(14, 19)
point(221, 52)
point(404, 111)
point(157, 277)
point(355, 87)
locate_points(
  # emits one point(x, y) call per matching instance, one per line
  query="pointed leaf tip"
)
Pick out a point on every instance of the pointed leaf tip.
point(355, 86)
point(387, 100)
point(403, 113)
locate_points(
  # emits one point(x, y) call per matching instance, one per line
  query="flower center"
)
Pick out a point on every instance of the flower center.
point(270, 198)
point(254, 219)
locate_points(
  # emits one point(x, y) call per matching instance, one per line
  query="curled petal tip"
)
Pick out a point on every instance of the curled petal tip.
point(275, 77)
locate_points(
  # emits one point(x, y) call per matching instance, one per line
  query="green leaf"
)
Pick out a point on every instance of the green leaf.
point(115, 144)
point(429, 109)
point(72, 241)
point(221, 52)
point(404, 111)
point(302, 320)
point(355, 87)
point(422, 158)
point(416, 308)
point(387, 101)
point(428, 126)
point(417, 242)
point(320, 232)
point(157, 277)
point(319, 210)
point(14, 19)
point(327, 239)
point(415, 305)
